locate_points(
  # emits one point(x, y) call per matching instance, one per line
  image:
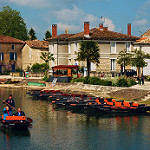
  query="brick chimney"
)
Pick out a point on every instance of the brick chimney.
point(54, 30)
point(129, 29)
point(86, 29)
point(101, 26)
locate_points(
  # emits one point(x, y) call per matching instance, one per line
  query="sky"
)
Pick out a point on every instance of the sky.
point(71, 14)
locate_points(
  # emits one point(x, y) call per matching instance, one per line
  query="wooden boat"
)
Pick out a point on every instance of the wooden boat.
point(17, 122)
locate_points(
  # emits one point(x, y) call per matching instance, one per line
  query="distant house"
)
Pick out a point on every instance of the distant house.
point(31, 52)
point(10, 53)
point(144, 44)
point(65, 46)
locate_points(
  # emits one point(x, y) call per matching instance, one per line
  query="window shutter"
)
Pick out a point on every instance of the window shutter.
point(2, 55)
point(15, 55)
point(10, 55)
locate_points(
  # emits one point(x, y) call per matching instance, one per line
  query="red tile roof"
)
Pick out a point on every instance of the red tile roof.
point(61, 36)
point(8, 39)
point(37, 44)
point(96, 34)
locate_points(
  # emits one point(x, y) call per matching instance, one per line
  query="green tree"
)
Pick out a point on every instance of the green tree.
point(138, 59)
point(89, 51)
point(46, 56)
point(12, 24)
point(47, 35)
point(124, 58)
point(32, 35)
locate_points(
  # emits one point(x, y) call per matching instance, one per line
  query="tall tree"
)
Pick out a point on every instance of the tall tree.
point(89, 51)
point(139, 59)
point(46, 56)
point(124, 58)
point(32, 35)
point(47, 34)
point(12, 24)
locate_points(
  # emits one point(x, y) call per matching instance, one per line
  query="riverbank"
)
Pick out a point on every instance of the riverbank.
point(135, 93)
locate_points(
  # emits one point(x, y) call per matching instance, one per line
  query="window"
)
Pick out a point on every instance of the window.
point(30, 52)
point(128, 46)
point(113, 47)
point(69, 48)
point(0, 46)
point(52, 48)
point(1, 56)
point(75, 46)
point(113, 66)
point(13, 56)
point(12, 47)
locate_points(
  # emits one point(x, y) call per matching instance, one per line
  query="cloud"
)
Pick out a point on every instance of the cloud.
point(43, 3)
point(141, 22)
point(72, 27)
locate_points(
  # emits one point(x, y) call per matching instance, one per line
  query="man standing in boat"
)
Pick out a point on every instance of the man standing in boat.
point(10, 103)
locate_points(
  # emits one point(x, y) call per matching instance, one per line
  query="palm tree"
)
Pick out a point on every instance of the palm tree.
point(124, 58)
point(46, 56)
point(89, 51)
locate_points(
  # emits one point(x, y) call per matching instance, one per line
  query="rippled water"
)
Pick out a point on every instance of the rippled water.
point(54, 130)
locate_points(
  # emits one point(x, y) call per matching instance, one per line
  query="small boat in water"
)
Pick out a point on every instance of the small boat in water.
point(17, 122)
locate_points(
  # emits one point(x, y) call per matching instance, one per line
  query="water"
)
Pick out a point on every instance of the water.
point(54, 130)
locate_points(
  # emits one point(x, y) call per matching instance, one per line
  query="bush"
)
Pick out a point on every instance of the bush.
point(39, 67)
point(45, 79)
point(131, 82)
point(78, 80)
point(86, 80)
point(97, 81)
point(122, 82)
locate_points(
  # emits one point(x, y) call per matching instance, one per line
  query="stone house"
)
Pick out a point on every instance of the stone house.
point(144, 44)
point(10, 53)
point(31, 52)
point(65, 46)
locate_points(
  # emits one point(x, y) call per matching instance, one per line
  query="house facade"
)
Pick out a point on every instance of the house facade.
point(10, 53)
point(144, 44)
point(66, 46)
point(31, 53)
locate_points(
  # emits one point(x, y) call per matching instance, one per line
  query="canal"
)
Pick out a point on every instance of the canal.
point(54, 130)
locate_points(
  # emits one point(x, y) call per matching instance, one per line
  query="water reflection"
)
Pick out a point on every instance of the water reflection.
point(65, 130)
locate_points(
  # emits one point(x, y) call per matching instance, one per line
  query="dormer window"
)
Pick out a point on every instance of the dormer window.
point(113, 47)
point(13, 47)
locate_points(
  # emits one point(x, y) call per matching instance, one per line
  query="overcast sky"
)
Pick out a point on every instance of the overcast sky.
point(71, 14)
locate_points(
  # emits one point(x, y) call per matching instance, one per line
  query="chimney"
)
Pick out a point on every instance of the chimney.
point(54, 30)
point(129, 29)
point(86, 29)
point(105, 28)
point(101, 26)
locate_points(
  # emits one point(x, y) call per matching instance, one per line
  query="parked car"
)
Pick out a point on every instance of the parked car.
point(129, 73)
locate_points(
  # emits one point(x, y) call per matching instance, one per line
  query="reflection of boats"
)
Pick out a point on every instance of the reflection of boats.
point(17, 122)
point(14, 132)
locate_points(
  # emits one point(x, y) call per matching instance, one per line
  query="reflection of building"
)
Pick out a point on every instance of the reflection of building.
point(31, 52)
point(10, 53)
point(144, 44)
point(65, 46)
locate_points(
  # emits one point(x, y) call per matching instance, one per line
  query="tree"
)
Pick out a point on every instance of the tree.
point(89, 51)
point(47, 34)
point(139, 59)
point(32, 35)
point(124, 58)
point(47, 56)
point(12, 24)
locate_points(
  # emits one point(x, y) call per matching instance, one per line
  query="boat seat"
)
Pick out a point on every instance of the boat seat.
point(135, 104)
point(118, 104)
point(110, 103)
point(126, 104)
point(15, 118)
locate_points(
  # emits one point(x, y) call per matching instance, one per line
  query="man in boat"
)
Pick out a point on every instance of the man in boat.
point(6, 112)
point(10, 103)
point(19, 113)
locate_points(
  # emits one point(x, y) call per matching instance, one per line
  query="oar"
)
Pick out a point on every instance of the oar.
point(28, 119)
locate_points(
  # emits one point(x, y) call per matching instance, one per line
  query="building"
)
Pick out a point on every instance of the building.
point(144, 44)
point(31, 53)
point(65, 46)
point(10, 53)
